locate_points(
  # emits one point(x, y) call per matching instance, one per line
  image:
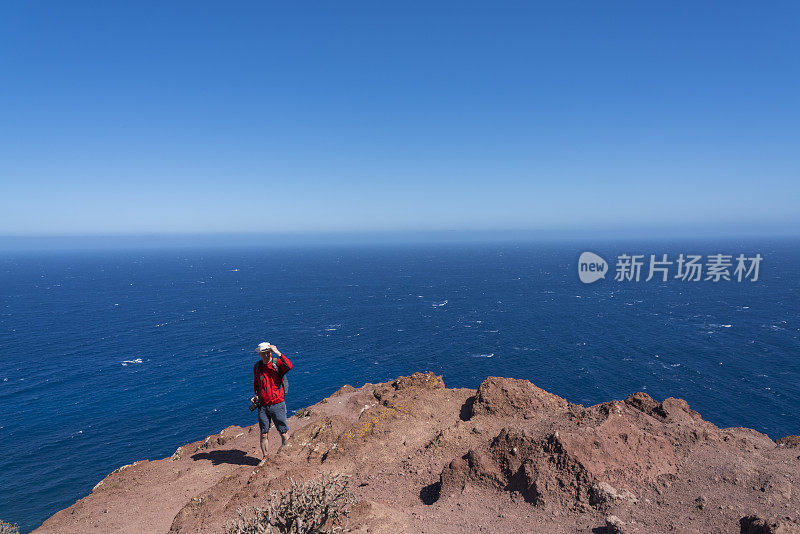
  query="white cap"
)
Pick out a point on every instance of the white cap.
point(263, 347)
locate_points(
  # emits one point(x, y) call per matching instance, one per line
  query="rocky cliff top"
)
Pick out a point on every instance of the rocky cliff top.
point(509, 457)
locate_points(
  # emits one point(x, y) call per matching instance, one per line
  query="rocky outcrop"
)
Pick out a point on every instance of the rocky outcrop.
point(753, 524)
point(508, 457)
point(509, 397)
point(791, 442)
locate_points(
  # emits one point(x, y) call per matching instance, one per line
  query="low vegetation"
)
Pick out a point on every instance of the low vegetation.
point(8, 528)
point(316, 506)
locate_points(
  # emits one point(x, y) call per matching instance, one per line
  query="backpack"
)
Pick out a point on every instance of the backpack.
point(284, 380)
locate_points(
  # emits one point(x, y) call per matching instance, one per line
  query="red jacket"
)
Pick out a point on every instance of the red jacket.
point(269, 391)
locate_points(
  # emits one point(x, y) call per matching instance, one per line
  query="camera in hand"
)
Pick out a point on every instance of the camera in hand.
point(253, 405)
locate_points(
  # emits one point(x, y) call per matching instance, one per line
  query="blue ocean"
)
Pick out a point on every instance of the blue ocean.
point(108, 357)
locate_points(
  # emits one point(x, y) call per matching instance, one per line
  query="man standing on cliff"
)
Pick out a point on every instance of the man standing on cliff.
point(268, 375)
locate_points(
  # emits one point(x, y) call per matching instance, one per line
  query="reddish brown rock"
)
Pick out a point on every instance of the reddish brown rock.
point(509, 457)
point(418, 380)
point(513, 397)
point(754, 524)
point(790, 442)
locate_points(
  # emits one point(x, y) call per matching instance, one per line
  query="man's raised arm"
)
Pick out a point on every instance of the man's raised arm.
point(282, 361)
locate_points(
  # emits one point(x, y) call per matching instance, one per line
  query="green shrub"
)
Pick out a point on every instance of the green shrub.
point(315, 506)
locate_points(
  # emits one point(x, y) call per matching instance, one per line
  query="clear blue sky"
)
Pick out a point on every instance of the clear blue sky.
point(194, 117)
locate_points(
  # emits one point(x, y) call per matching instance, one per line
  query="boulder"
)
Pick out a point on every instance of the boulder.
point(514, 397)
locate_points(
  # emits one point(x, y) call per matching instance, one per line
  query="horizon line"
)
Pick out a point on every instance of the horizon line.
point(33, 242)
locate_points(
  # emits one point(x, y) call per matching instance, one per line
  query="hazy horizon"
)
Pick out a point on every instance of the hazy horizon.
point(399, 237)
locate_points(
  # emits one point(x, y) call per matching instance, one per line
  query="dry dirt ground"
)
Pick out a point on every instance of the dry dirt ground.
point(509, 457)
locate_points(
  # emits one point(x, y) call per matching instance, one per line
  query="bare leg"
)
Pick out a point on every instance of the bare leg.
point(264, 445)
point(284, 437)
